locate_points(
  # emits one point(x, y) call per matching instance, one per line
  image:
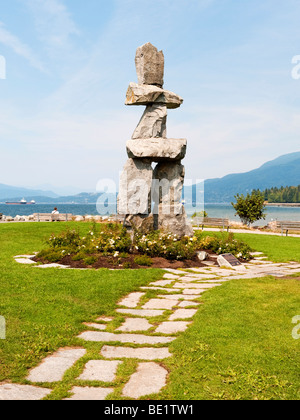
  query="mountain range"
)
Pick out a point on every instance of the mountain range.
point(283, 171)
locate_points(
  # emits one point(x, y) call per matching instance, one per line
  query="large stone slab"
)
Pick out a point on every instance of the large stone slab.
point(150, 65)
point(53, 368)
point(89, 394)
point(172, 327)
point(100, 370)
point(135, 324)
point(153, 123)
point(150, 378)
point(138, 94)
point(160, 304)
point(13, 392)
point(196, 285)
point(157, 149)
point(135, 187)
point(183, 314)
point(147, 313)
point(147, 353)
point(132, 300)
point(123, 338)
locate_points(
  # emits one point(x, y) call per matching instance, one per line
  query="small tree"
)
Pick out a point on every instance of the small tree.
point(250, 208)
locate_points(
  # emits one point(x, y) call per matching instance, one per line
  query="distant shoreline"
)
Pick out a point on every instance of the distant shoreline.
point(283, 205)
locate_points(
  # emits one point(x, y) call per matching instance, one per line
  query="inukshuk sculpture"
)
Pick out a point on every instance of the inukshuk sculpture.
point(140, 185)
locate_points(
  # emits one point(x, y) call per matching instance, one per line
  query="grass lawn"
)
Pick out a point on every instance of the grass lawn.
point(240, 345)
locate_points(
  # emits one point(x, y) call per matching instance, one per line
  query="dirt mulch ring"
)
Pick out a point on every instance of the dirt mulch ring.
point(128, 263)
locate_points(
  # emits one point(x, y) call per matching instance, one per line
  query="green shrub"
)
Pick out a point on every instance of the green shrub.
point(50, 255)
point(166, 245)
point(143, 260)
point(90, 260)
point(226, 244)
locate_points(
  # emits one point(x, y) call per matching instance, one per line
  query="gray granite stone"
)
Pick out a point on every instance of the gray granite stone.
point(135, 324)
point(13, 392)
point(100, 370)
point(147, 313)
point(172, 327)
point(147, 353)
point(53, 368)
point(149, 379)
point(160, 304)
point(123, 338)
point(183, 314)
point(132, 300)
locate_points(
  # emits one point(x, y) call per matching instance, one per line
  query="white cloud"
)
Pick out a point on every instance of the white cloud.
point(20, 48)
point(53, 22)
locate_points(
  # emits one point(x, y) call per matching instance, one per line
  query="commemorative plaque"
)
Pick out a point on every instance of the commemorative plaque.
point(228, 260)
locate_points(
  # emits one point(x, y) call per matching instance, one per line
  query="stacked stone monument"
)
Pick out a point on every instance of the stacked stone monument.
point(140, 184)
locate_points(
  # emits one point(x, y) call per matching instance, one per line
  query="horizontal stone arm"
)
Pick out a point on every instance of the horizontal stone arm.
point(149, 94)
point(157, 149)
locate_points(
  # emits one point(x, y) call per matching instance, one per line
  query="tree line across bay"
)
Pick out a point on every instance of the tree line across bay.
point(281, 195)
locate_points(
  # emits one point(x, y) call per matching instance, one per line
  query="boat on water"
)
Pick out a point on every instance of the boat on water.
point(22, 202)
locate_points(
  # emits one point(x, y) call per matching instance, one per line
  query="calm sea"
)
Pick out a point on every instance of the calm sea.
point(213, 210)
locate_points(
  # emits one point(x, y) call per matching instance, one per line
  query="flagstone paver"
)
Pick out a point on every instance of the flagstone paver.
point(180, 296)
point(147, 353)
point(123, 338)
point(24, 261)
point(162, 283)
point(186, 304)
point(132, 300)
point(161, 289)
point(193, 291)
point(147, 313)
point(135, 324)
point(183, 314)
point(172, 327)
point(196, 285)
point(14, 392)
point(53, 368)
point(160, 304)
point(105, 319)
point(171, 276)
point(150, 378)
point(89, 394)
point(100, 370)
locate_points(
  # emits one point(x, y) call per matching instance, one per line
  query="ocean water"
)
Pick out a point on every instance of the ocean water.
point(213, 210)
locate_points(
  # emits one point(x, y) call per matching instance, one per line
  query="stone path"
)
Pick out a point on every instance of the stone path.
point(150, 326)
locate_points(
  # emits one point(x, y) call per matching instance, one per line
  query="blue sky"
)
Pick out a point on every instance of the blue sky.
point(63, 120)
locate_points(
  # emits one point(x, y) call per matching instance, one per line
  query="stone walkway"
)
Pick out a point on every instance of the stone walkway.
point(178, 296)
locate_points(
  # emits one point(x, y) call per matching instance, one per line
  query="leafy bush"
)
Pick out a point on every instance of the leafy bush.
point(90, 260)
point(166, 245)
point(227, 244)
point(143, 260)
point(109, 239)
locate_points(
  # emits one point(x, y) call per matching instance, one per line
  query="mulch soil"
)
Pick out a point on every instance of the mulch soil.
point(128, 262)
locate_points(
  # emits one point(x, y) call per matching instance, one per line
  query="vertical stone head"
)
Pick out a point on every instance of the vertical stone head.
point(150, 65)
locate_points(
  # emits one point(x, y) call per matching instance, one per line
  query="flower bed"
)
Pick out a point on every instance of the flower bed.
point(110, 246)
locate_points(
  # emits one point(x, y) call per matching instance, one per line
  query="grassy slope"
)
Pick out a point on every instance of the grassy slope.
point(44, 309)
point(240, 345)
